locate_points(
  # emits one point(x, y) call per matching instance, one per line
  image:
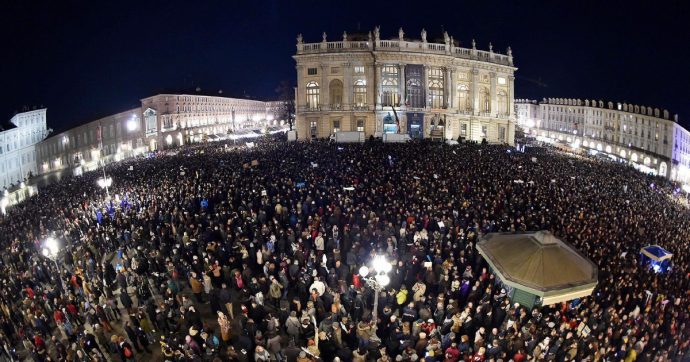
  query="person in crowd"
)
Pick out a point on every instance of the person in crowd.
point(264, 245)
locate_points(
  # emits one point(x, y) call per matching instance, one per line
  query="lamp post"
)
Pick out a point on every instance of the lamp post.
point(381, 267)
point(51, 249)
point(105, 182)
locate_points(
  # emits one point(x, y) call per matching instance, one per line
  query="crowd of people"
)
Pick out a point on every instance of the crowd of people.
point(232, 254)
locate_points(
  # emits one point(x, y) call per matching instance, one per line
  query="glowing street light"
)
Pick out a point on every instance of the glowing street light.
point(51, 249)
point(132, 124)
point(105, 182)
point(381, 267)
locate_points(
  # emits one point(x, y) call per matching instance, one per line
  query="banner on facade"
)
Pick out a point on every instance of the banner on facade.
point(415, 124)
point(414, 81)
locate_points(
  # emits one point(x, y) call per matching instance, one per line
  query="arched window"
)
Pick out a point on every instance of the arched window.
point(435, 88)
point(390, 91)
point(413, 96)
point(335, 90)
point(484, 100)
point(312, 95)
point(391, 97)
point(464, 98)
point(360, 92)
point(502, 102)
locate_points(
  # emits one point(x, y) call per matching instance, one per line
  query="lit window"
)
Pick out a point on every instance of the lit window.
point(360, 93)
point(312, 95)
point(359, 69)
point(435, 88)
point(360, 125)
point(336, 126)
point(464, 98)
point(501, 81)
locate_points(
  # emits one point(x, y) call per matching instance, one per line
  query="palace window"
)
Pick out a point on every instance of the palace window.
point(359, 69)
point(464, 98)
point(484, 99)
point(502, 102)
point(335, 91)
point(312, 71)
point(391, 91)
point(413, 93)
point(312, 128)
point(436, 88)
point(312, 95)
point(336, 126)
point(463, 130)
point(360, 125)
point(484, 131)
point(360, 92)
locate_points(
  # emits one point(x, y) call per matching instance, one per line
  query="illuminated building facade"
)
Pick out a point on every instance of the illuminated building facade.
point(647, 138)
point(18, 139)
point(162, 121)
point(438, 89)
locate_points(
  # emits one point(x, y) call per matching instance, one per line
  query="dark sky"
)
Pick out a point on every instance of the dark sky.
point(85, 59)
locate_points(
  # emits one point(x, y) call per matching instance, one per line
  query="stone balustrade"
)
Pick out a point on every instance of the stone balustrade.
point(406, 46)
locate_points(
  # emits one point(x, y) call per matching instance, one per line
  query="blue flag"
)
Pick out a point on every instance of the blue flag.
point(204, 204)
point(99, 216)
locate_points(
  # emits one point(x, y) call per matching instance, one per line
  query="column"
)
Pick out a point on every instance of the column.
point(325, 99)
point(453, 90)
point(401, 84)
point(300, 99)
point(511, 95)
point(447, 98)
point(370, 76)
point(425, 86)
point(347, 86)
point(473, 90)
point(492, 79)
point(379, 84)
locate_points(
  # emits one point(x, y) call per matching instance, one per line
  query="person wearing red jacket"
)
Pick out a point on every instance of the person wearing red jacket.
point(58, 316)
point(452, 353)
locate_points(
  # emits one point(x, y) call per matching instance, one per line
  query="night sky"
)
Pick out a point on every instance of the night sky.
point(84, 60)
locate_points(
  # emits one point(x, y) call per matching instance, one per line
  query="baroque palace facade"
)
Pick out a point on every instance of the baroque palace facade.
point(647, 138)
point(421, 88)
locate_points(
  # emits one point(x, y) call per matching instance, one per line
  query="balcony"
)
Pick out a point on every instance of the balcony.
point(404, 46)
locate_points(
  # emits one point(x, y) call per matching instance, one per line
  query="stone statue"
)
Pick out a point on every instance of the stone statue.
point(401, 34)
point(370, 38)
point(377, 34)
point(491, 47)
point(474, 45)
point(323, 36)
point(452, 41)
point(446, 38)
point(423, 35)
point(510, 52)
point(344, 36)
point(299, 38)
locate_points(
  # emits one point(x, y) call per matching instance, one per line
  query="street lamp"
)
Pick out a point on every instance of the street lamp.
point(132, 124)
point(51, 249)
point(105, 182)
point(381, 267)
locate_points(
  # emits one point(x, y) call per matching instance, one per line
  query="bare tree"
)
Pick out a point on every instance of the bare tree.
point(286, 94)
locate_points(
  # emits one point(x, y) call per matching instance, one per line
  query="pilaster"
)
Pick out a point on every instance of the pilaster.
point(325, 99)
point(401, 84)
point(425, 86)
point(492, 79)
point(473, 90)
